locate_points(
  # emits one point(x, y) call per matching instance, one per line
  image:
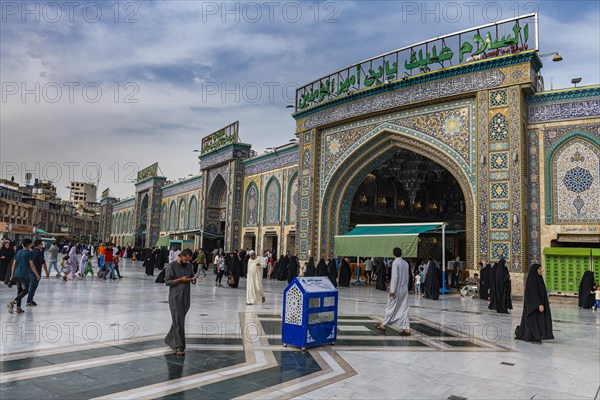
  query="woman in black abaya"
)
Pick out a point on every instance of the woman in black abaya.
point(379, 267)
point(586, 299)
point(236, 269)
point(7, 254)
point(310, 267)
point(283, 272)
point(149, 263)
point(322, 268)
point(292, 269)
point(500, 288)
point(344, 279)
point(536, 322)
point(332, 272)
point(484, 283)
point(432, 281)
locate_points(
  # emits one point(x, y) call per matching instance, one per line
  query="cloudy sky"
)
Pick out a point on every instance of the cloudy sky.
point(96, 89)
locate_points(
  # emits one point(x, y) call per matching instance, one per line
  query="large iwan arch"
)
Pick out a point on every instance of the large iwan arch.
point(343, 181)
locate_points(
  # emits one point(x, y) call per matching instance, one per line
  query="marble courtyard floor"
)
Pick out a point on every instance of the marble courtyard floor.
point(104, 339)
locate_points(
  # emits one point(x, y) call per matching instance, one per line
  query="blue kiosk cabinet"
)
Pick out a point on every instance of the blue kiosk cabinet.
point(310, 307)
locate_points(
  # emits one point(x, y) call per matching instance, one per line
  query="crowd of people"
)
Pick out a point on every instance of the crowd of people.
point(23, 264)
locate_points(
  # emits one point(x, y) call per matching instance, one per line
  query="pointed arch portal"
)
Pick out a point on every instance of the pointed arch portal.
point(341, 188)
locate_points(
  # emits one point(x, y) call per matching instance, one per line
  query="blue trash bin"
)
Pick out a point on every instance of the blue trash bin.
point(310, 307)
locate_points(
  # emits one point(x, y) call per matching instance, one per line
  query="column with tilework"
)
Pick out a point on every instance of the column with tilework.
point(305, 224)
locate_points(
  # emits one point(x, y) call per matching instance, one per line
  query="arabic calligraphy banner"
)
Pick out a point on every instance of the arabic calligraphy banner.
point(147, 172)
point(510, 36)
point(221, 138)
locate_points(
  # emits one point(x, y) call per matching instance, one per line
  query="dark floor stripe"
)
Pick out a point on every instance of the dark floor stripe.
point(89, 354)
point(292, 365)
point(109, 379)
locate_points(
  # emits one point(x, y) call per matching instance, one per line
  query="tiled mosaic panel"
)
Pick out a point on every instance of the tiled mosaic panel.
point(499, 128)
point(518, 227)
point(498, 98)
point(576, 182)
point(499, 190)
point(293, 201)
point(500, 250)
point(498, 205)
point(499, 161)
point(272, 202)
point(499, 220)
point(251, 205)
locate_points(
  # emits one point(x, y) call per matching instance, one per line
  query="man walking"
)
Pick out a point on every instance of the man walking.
point(178, 276)
point(53, 259)
point(22, 263)
point(39, 263)
point(396, 311)
point(254, 289)
point(201, 262)
point(109, 262)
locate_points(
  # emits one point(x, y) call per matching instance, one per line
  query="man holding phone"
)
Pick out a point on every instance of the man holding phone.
point(178, 276)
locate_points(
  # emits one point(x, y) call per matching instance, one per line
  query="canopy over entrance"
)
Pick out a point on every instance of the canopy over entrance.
point(379, 240)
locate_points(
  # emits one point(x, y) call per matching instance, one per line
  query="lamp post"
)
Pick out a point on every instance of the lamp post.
point(557, 57)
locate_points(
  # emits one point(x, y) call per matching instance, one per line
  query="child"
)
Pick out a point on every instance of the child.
point(88, 268)
point(417, 285)
point(474, 280)
point(597, 303)
point(65, 268)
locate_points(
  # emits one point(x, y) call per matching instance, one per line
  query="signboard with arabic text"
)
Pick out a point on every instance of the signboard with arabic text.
point(509, 36)
point(221, 138)
point(147, 172)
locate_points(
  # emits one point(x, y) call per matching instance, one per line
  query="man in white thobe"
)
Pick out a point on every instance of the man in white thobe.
point(396, 311)
point(254, 289)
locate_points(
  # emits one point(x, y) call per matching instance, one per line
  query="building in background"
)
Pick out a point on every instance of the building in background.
point(82, 194)
point(35, 211)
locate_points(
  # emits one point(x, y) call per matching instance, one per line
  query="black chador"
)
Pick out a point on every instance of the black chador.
point(536, 322)
point(332, 272)
point(322, 268)
point(432, 281)
point(236, 270)
point(292, 269)
point(276, 268)
point(283, 272)
point(344, 279)
point(586, 286)
point(380, 271)
point(500, 288)
point(149, 263)
point(484, 283)
point(310, 267)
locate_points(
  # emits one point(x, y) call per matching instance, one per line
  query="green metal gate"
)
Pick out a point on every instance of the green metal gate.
point(565, 267)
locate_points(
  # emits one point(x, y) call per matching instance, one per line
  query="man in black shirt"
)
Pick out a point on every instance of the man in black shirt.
point(39, 262)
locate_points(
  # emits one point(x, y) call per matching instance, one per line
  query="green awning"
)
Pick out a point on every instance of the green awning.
point(596, 252)
point(567, 251)
point(163, 241)
point(379, 240)
point(128, 239)
point(43, 232)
